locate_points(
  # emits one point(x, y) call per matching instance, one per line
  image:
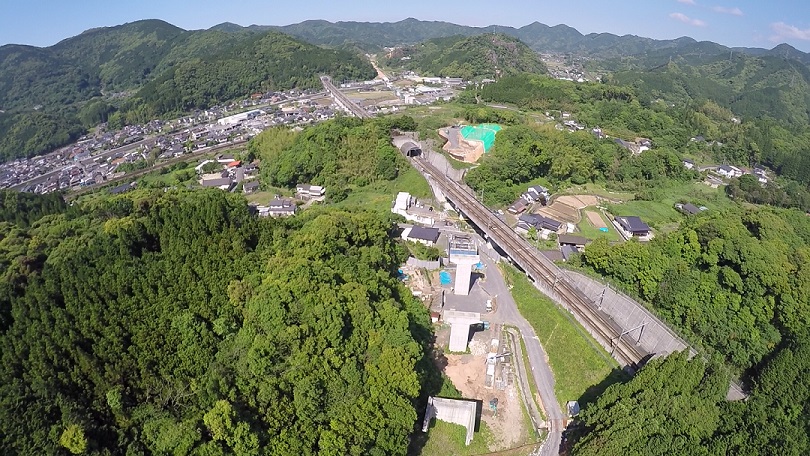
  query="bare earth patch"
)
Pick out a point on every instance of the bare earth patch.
point(467, 373)
point(596, 220)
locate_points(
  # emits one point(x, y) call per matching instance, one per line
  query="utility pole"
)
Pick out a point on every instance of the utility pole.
point(602, 298)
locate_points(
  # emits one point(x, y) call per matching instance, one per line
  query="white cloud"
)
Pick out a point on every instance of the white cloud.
point(782, 31)
point(687, 2)
point(687, 20)
point(722, 9)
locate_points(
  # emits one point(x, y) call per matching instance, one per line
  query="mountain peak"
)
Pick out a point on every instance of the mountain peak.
point(784, 47)
point(227, 27)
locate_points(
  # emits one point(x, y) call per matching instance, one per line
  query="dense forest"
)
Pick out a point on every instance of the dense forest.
point(271, 61)
point(177, 323)
point(677, 406)
point(769, 85)
point(338, 154)
point(737, 282)
point(22, 209)
point(481, 56)
point(145, 70)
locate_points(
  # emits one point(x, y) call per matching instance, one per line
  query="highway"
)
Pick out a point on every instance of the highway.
point(343, 100)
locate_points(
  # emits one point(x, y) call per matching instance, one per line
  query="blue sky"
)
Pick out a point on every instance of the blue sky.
point(754, 23)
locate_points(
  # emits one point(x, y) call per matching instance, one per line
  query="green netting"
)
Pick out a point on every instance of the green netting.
point(483, 132)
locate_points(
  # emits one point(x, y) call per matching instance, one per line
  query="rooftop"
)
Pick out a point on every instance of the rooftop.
point(425, 234)
point(633, 224)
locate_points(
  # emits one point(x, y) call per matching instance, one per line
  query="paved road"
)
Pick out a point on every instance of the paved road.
point(507, 313)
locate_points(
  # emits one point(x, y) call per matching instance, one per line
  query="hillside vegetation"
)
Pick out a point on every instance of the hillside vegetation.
point(627, 112)
point(177, 323)
point(341, 154)
point(750, 86)
point(153, 69)
point(481, 56)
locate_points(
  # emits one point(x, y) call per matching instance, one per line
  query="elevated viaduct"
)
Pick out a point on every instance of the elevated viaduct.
point(342, 100)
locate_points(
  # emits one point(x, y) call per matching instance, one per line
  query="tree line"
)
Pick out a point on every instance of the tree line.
point(340, 154)
point(175, 322)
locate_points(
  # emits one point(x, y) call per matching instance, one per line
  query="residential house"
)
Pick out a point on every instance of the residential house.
point(536, 194)
point(281, 207)
point(689, 208)
point(729, 171)
point(688, 164)
point(761, 175)
point(309, 191)
point(410, 208)
point(225, 159)
point(518, 207)
point(568, 251)
point(542, 224)
point(422, 235)
point(223, 183)
point(250, 187)
point(632, 226)
point(633, 148)
point(577, 242)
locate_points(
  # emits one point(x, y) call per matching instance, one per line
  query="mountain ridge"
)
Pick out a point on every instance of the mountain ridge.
point(399, 34)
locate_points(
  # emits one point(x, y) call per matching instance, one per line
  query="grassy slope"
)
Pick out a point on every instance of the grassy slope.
point(661, 214)
point(379, 196)
point(446, 439)
point(577, 361)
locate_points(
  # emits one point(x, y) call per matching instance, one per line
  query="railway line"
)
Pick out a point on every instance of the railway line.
point(623, 348)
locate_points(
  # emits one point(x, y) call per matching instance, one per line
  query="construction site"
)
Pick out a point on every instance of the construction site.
point(470, 142)
point(477, 356)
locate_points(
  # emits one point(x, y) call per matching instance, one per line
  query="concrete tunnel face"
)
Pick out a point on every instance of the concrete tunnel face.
point(410, 149)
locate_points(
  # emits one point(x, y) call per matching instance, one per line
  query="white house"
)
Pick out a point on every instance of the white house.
point(729, 171)
point(761, 175)
point(536, 194)
point(407, 206)
point(310, 191)
point(280, 207)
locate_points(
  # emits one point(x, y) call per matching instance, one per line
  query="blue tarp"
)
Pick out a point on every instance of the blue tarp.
point(444, 278)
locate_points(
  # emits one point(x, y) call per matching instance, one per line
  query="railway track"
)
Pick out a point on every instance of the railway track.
point(623, 348)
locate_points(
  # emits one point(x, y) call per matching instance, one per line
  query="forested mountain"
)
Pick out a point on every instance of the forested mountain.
point(260, 62)
point(168, 69)
point(177, 323)
point(487, 55)
point(373, 36)
point(768, 85)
